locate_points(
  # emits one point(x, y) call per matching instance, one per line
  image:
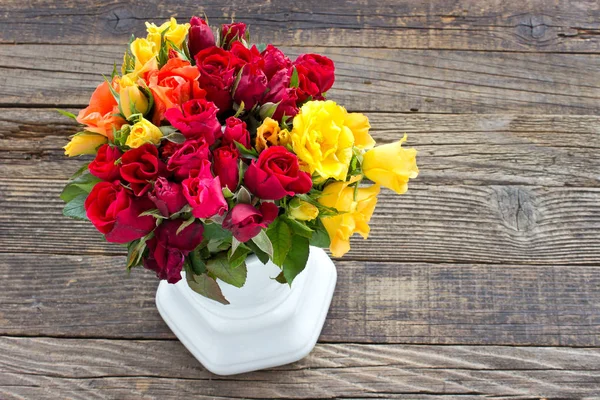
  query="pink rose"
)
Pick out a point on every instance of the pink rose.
point(203, 192)
point(245, 221)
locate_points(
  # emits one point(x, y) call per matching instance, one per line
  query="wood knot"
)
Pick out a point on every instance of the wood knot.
point(516, 208)
point(121, 20)
point(533, 27)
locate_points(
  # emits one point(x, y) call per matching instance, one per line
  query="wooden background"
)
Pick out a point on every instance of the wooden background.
point(482, 281)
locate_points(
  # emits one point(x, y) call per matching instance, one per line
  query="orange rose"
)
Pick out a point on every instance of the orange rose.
point(100, 116)
point(174, 84)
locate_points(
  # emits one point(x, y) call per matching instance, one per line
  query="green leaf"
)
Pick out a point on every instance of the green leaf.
point(244, 152)
point(196, 263)
point(80, 185)
point(320, 237)
point(262, 256)
point(238, 257)
point(296, 259)
point(261, 47)
point(207, 287)
point(243, 196)
point(219, 267)
point(267, 110)
point(185, 224)
point(75, 208)
point(153, 212)
point(66, 114)
point(70, 192)
point(175, 137)
point(216, 231)
point(136, 251)
point(280, 235)
point(263, 242)
point(80, 171)
point(298, 227)
point(294, 80)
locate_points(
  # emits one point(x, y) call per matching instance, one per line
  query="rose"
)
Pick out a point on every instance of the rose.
point(167, 196)
point(188, 156)
point(200, 36)
point(114, 211)
point(357, 208)
point(143, 132)
point(316, 74)
point(267, 134)
point(198, 119)
point(274, 61)
point(105, 164)
point(251, 86)
point(322, 140)
point(203, 193)
point(302, 210)
point(174, 84)
point(101, 116)
point(280, 92)
point(246, 55)
point(226, 165)
point(140, 166)
point(144, 51)
point(246, 221)
point(167, 249)
point(391, 166)
point(217, 74)
point(359, 125)
point(169, 32)
point(84, 143)
point(232, 32)
point(131, 99)
point(236, 131)
point(276, 174)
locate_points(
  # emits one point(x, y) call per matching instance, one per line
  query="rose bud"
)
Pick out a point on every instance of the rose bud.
point(274, 61)
point(167, 249)
point(167, 196)
point(236, 131)
point(235, 31)
point(316, 74)
point(302, 210)
point(198, 119)
point(105, 164)
point(276, 174)
point(131, 98)
point(200, 36)
point(251, 87)
point(114, 211)
point(226, 165)
point(203, 192)
point(140, 166)
point(246, 221)
point(188, 156)
point(218, 69)
point(84, 143)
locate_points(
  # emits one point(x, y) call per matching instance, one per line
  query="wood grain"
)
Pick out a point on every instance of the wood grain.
point(375, 302)
point(367, 79)
point(531, 25)
point(45, 368)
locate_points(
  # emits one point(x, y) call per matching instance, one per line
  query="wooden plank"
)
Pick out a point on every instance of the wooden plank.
point(531, 25)
point(381, 80)
point(447, 223)
point(45, 368)
point(375, 302)
point(466, 149)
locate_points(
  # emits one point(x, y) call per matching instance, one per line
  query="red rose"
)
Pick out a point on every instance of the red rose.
point(236, 131)
point(167, 196)
point(188, 157)
point(114, 211)
point(231, 33)
point(280, 92)
point(203, 192)
point(274, 61)
point(217, 74)
point(198, 119)
point(226, 165)
point(167, 249)
point(104, 165)
point(315, 75)
point(251, 86)
point(141, 166)
point(245, 221)
point(276, 174)
point(200, 36)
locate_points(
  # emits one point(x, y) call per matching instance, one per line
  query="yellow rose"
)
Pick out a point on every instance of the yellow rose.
point(391, 166)
point(356, 213)
point(145, 53)
point(131, 98)
point(143, 132)
point(267, 134)
point(359, 125)
point(284, 137)
point(302, 210)
point(84, 143)
point(175, 32)
point(321, 139)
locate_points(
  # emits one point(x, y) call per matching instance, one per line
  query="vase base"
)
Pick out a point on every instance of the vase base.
point(231, 339)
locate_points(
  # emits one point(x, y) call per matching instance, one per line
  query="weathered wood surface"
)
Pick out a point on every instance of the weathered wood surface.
point(367, 79)
point(44, 368)
point(529, 25)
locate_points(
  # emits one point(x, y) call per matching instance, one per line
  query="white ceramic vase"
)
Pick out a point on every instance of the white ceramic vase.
point(267, 324)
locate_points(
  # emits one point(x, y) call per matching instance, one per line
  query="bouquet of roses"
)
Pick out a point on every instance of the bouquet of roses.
point(209, 149)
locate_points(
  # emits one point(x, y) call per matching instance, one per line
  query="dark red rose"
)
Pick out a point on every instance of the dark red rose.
point(231, 33)
point(115, 211)
point(246, 55)
point(167, 196)
point(236, 131)
point(189, 156)
point(197, 118)
point(280, 92)
point(167, 249)
point(200, 36)
point(104, 165)
point(226, 165)
point(245, 221)
point(276, 174)
point(251, 86)
point(140, 167)
point(203, 192)
point(274, 61)
point(167, 149)
point(316, 74)
point(217, 75)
